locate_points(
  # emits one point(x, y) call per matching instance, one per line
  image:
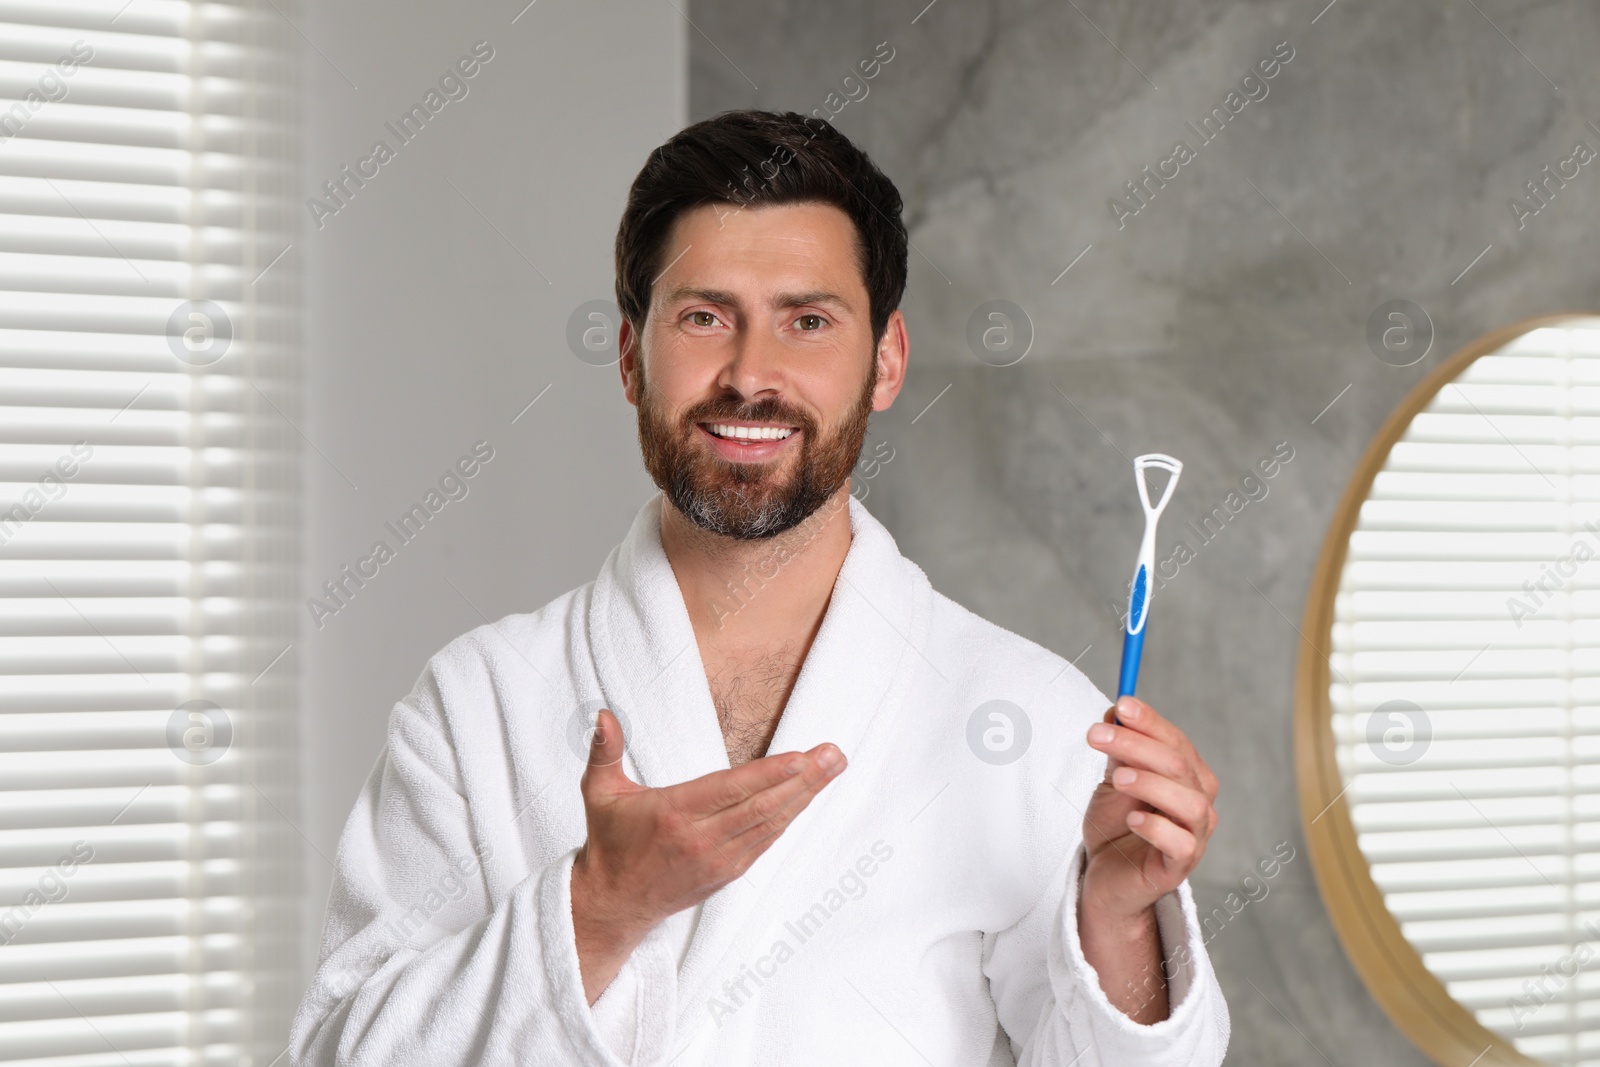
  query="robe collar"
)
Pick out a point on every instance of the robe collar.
point(856, 673)
point(649, 664)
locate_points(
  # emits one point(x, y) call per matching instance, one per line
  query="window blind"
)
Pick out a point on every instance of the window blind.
point(148, 532)
point(1466, 689)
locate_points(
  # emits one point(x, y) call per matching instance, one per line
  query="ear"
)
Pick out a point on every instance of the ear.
point(628, 365)
point(894, 350)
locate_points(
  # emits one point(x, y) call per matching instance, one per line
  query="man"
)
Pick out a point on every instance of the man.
point(758, 794)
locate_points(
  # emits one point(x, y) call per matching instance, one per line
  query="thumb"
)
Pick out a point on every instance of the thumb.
point(605, 751)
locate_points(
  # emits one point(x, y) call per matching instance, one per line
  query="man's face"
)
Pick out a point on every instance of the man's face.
point(761, 366)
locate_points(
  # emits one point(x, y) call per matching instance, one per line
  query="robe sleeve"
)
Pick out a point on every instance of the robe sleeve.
point(419, 966)
point(1050, 1003)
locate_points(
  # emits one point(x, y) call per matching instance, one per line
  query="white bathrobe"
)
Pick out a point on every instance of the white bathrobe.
point(922, 909)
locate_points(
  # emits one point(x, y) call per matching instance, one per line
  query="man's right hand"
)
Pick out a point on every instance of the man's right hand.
point(653, 852)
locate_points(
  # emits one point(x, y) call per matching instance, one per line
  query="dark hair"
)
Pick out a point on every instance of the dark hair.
point(753, 158)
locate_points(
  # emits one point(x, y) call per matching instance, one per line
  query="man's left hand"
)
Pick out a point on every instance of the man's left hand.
point(1149, 819)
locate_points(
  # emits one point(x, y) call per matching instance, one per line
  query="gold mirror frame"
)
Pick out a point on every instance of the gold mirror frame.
point(1408, 992)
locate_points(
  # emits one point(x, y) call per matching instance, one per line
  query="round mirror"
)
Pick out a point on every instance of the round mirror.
point(1448, 705)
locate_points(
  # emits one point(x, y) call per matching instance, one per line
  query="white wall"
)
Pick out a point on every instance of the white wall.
point(426, 330)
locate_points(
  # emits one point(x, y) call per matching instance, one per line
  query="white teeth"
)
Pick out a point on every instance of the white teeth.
point(751, 433)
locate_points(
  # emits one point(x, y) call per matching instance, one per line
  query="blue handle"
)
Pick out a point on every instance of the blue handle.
point(1132, 646)
point(1133, 634)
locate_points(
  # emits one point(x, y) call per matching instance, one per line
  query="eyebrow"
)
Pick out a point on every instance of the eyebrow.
point(782, 300)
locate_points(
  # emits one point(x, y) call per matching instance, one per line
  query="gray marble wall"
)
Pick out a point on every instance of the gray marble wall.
point(1223, 317)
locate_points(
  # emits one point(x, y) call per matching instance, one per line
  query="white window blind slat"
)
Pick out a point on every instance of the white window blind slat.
point(1469, 733)
point(147, 896)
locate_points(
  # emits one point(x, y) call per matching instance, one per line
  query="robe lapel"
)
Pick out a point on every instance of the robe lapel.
point(854, 675)
point(648, 663)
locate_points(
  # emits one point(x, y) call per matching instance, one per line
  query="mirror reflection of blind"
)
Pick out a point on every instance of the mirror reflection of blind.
point(148, 524)
point(1466, 689)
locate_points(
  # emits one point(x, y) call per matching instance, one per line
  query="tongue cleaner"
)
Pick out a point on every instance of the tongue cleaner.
point(1139, 591)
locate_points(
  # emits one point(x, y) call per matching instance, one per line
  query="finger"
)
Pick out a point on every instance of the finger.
point(740, 855)
point(749, 845)
point(1109, 807)
point(1137, 750)
point(713, 792)
point(1178, 847)
point(742, 850)
point(778, 803)
point(1109, 821)
point(1112, 763)
point(1186, 806)
point(1137, 715)
point(604, 769)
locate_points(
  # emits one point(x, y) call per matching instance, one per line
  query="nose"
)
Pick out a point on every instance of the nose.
point(755, 365)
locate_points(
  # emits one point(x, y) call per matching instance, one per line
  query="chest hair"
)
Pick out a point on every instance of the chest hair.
point(749, 694)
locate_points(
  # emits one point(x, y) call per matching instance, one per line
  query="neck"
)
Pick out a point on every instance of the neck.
point(744, 593)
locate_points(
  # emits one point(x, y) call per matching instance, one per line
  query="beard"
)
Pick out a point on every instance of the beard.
point(748, 501)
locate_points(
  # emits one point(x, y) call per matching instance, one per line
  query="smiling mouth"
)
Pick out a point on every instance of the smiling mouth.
point(746, 434)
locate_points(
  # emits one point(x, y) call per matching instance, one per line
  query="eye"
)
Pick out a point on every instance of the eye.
point(808, 317)
point(696, 316)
